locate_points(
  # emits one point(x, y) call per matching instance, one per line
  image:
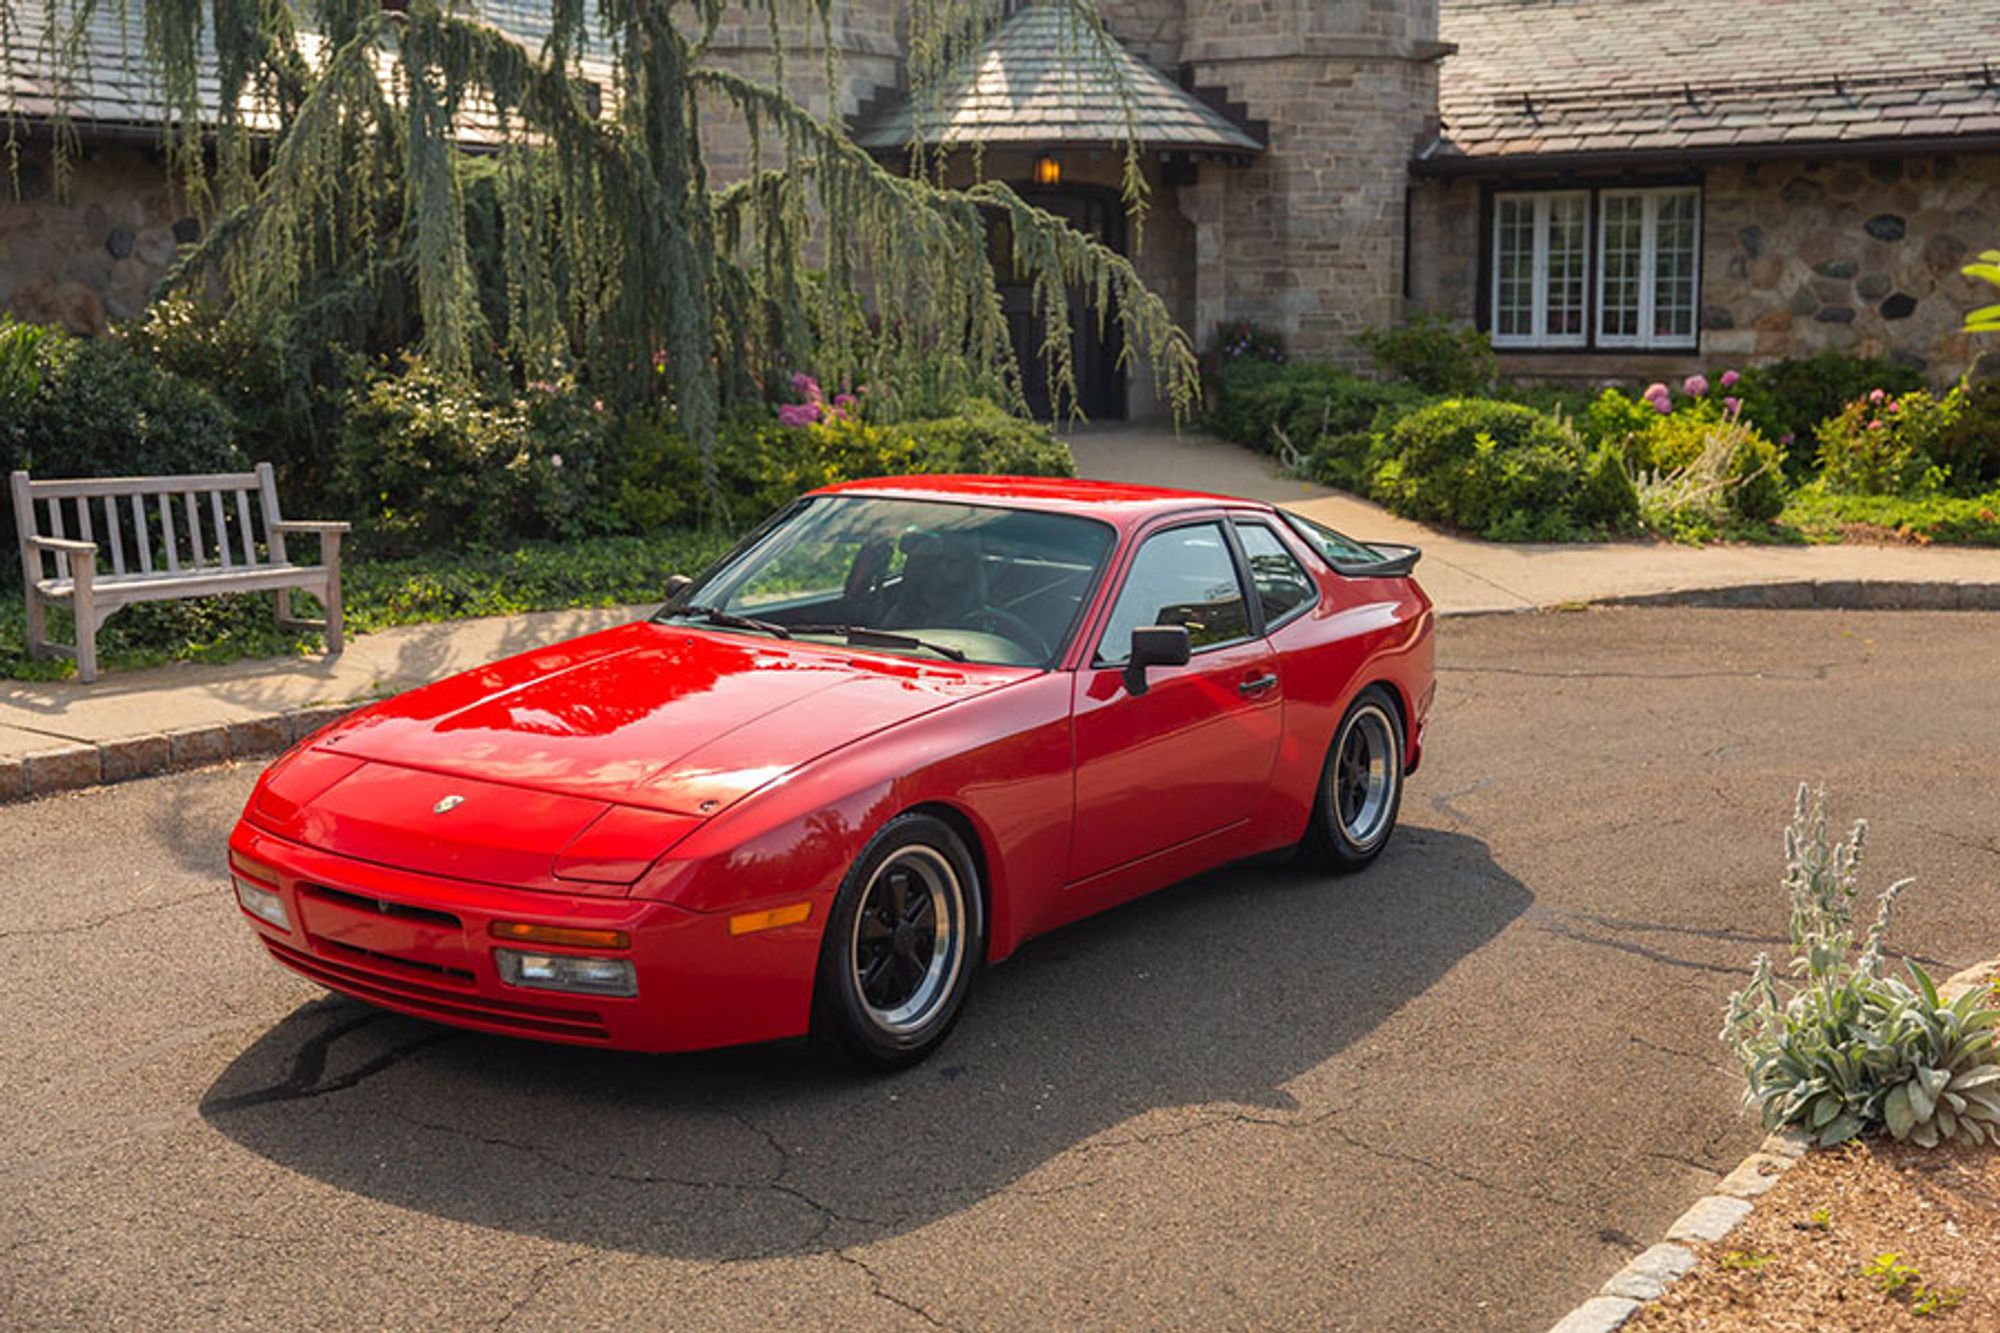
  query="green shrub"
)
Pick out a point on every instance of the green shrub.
point(761, 465)
point(1967, 447)
point(1791, 398)
point(1266, 407)
point(20, 363)
point(1881, 445)
point(1850, 1050)
point(1434, 354)
point(424, 463)
point(284, 415)
point(1499, 469)
point(97, 408)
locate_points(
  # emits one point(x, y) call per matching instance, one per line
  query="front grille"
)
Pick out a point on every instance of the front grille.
point(380, 906)
point(367, 981)
point(456, 975)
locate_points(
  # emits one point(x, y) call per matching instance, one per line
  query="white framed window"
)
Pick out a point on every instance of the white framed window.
point(1541, 254)
point(1648, 255)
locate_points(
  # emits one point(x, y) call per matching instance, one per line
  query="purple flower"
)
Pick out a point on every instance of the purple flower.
point(1729, 378)
point(1786, 439)
point(1694, 386)
point(843, 401)
point(806, 387)
point(1733, 406)
point(798, 414)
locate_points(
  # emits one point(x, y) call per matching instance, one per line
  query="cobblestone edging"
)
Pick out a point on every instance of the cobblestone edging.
point(1828, 594)
point(89, 764)
point(1715, 1215)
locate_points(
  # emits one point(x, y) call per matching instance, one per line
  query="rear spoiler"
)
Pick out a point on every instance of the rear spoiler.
point(1396, 562)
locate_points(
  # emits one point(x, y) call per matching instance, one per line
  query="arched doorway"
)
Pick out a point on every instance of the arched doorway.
point(1096, 212)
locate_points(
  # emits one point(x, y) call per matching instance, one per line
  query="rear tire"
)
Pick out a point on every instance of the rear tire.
point(1360, 786)
point(902, 944)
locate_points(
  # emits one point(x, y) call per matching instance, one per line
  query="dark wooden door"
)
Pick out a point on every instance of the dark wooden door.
point(1100, 383)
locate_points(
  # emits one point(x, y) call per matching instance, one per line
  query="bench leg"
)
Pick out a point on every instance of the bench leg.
point(283, 598)
point(38, 625)
point(84, 602)
point(336, 638)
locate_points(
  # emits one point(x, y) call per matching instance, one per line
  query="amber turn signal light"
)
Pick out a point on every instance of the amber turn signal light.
point(249, 869)
point(748, 923)
point(570, 935)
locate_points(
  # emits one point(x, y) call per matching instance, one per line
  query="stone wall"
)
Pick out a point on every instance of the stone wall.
point(1860, 255)
point(92, 259)
point(1308, 239)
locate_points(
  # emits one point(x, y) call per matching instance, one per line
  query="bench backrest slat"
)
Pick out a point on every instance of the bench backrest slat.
point(221, 531)
point(167, 528)
point(116, 534)
point(142, 533)
point(194, 528)
point(243, 527)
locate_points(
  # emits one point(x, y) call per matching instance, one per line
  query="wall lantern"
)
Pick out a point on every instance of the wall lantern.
point(1048, 171)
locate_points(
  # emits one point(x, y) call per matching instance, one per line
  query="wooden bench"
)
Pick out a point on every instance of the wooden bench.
point(116, 541)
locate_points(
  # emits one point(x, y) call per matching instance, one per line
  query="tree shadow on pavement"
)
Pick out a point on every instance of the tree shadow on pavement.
point(1215, 992)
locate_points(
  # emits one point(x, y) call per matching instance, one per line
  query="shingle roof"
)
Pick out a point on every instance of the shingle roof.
point(1579, 78)
point(116, 86)
point(1039, 80)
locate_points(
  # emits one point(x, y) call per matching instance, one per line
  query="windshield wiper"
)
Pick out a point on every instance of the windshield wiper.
point(863, 637)
point(715, 615)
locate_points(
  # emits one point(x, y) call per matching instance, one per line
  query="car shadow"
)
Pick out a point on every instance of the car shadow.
point(1215, 991)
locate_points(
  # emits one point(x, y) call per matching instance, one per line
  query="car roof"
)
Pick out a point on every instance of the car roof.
point(1115, 501)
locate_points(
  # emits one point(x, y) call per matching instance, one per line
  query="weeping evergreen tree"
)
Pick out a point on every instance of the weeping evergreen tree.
point(329, 137)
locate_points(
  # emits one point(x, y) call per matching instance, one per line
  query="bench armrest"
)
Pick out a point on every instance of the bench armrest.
point(60, 544)
point(310, 525)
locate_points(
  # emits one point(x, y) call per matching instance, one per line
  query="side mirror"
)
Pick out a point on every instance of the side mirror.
point(677, 585)
point(1154, 645)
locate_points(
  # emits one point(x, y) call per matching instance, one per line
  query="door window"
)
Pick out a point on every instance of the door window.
point(1283, 588)
point(1183, 576)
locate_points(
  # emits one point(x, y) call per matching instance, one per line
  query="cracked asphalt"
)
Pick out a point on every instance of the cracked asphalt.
point(1457, 1091)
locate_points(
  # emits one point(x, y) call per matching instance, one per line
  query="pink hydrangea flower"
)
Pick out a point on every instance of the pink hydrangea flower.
point(798, 414)
point(806, 387)
point(843, 401)
point(1694, 386)
point(1874, 425)
point(1876, 395)
point(1895, 405)
point(1733, 406)
point(1729, 378)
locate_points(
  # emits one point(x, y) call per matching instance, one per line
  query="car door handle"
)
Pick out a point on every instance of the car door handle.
point(1258, 684)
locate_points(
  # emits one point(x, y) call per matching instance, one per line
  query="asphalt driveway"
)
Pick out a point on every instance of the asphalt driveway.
point(1457, 1091)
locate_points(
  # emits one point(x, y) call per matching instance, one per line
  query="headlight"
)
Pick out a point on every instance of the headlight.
point(262, 903)
point(567, 972)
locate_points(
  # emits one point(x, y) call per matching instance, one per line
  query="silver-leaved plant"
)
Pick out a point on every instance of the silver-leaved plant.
point(1849, 1049)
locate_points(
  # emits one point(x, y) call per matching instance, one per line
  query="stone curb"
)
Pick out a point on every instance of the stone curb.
point(1715, 1215)
point(1827, 595)
point(90, 764)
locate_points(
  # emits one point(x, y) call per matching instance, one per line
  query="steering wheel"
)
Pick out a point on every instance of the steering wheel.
point(998, 620)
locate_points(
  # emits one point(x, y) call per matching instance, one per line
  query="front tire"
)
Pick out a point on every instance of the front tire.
point(1360, 786)
point(904, 939)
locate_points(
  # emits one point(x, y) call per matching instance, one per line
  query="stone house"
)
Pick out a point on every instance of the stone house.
point(1611, 188)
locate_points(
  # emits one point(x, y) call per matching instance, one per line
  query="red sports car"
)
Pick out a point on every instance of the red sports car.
point(902, 727)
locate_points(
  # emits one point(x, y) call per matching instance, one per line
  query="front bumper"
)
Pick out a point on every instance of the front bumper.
point(422, 945)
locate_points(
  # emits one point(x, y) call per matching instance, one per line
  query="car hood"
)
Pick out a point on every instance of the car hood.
point(660, 717)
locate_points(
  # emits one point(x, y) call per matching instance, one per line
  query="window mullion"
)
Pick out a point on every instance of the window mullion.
point(1539, 299)
point(1649, 269)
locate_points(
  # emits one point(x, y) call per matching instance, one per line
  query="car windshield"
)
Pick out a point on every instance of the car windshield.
point(923, 577)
